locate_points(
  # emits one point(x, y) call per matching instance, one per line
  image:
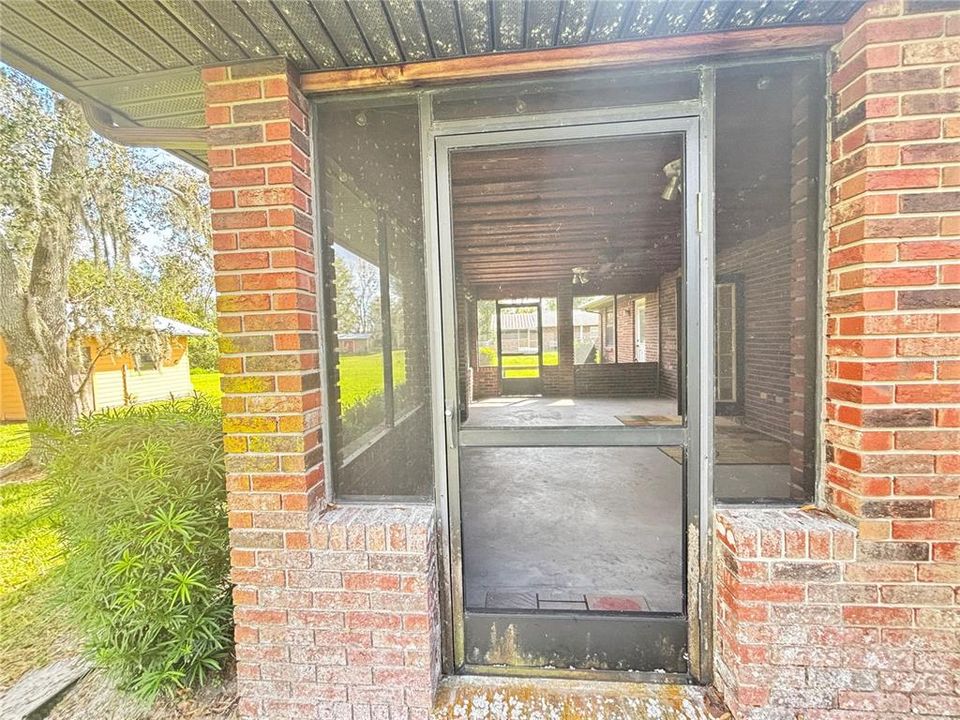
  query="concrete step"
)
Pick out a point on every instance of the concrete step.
point(482, 698)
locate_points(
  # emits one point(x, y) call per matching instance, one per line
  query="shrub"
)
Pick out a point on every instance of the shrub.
point(204, 354)
point(140, 500)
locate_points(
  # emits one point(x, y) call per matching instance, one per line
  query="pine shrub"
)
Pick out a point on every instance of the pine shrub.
point(139, 497)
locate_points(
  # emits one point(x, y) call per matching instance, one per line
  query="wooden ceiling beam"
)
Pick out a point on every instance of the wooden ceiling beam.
point(582, 57)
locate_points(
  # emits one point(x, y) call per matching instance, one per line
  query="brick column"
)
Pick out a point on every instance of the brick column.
point(261, 211)
point(565, 340)
point(336, 608)
point(893, 272)
point(857, 616)
point(893, 337)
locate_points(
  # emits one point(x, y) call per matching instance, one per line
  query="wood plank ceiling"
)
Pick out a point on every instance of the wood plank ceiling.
point(141, 58)
point(529, 214)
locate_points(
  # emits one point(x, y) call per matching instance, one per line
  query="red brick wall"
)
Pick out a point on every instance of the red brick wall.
point(565, 359)
point(811, 622)
point(894, 268)
point(669, 365)
point(335, 609)
point(616, 380)
point(766, 276)
point(486, 382)
point(857, 616)
point(626, 328)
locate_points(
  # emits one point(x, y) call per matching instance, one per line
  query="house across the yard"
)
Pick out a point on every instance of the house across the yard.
point(665, 386)
point(119, 378)
point(355, 343)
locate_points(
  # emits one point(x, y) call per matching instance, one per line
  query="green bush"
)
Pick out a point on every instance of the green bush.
point(204, 352)
point(140, 501)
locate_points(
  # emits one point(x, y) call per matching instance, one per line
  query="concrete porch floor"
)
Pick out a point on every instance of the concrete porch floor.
point(561, 411)
point(474, 698)
point(732, 480)
point(567, 524)
point(587, 521)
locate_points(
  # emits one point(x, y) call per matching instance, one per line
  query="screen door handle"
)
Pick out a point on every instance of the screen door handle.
point(450, 419)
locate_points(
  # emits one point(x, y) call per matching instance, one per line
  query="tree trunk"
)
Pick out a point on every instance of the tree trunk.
point(33, 313)
point(45, 380)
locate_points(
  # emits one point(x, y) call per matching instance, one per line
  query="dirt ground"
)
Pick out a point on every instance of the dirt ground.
point(95, 698)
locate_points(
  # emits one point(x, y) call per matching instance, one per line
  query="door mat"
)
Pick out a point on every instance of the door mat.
point(545, 599)
point(648, 420)
point(737, 445)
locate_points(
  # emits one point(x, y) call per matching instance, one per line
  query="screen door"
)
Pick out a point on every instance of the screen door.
point(572, 494)
point(519, 341)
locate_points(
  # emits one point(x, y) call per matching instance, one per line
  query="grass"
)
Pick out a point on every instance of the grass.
point(32, 630)
point(521, 366)
point(14, 442)
point(206, 382)
point(361, 377)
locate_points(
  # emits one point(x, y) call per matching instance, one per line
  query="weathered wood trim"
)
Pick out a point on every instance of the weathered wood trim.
point(583, 57)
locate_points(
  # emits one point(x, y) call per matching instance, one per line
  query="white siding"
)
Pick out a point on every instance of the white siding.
point(151, 385)
point(107, 389)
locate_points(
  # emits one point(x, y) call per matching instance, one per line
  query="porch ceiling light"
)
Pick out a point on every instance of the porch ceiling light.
point(579, 276)
point(672, 170)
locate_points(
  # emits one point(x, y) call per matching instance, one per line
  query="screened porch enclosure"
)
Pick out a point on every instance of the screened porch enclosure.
point(569, 274)
point(560, 371)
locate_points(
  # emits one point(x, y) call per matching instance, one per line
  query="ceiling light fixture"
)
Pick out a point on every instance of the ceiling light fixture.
point(673, 171)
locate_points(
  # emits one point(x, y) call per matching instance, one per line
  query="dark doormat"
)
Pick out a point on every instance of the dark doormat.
point(648, 420)
point(738, 445)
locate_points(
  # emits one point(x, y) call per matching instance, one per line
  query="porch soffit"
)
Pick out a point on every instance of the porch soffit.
point(140, 59)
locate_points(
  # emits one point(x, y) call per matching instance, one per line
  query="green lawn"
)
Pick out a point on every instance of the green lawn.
point(519, 366)
point(14, 442)
point(361, 377)
point(32, 630)
point(206, 382)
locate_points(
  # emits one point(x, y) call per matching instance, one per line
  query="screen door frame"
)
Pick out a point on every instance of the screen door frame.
point(519, 386)
point(698, 329)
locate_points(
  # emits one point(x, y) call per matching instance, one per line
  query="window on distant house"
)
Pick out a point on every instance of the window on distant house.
point(610, 329)
point(146, 361)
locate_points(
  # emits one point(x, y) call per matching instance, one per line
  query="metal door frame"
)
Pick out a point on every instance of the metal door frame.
point(500, 306)
point(438, 139)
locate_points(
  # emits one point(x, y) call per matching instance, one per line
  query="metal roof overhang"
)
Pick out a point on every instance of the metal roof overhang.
point(135, 63)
